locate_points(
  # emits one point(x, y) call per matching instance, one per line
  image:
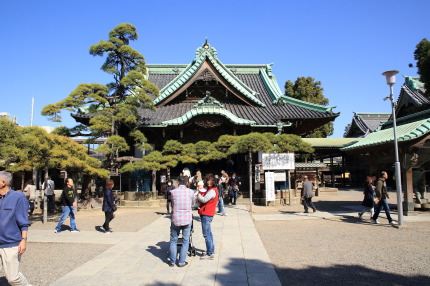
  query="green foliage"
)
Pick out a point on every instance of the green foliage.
point(257, 142)
point(309, 90)
point(422, 56)
point(172, 147)
point(225, 144)
point(291, 143)
point(116, 103)
point(113, 144)
point(203, 151)
point(28, 148)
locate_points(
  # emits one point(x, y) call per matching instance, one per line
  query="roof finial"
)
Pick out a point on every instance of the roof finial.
point(206, 45)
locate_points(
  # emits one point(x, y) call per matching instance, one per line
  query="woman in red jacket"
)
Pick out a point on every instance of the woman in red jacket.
point(207, 211)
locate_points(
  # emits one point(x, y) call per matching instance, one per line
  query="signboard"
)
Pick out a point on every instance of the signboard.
point(270, 186)
point(280, 176)
point(257, 173)
point(278, 161)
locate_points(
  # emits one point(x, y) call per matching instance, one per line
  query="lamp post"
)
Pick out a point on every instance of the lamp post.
point(391, 80)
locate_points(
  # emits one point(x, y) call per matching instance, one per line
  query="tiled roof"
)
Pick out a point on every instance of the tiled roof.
point(210, 55)
point(255, 98)
point(262, 116)
point(331, 142)
point(364, 123)
point(408, 128)
point(310, 165)
point(413, 92)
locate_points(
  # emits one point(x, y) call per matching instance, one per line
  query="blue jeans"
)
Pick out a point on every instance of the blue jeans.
point(174, 233)
point(67, 211)
point(207, 233)
point(221, 206)
point(382, 204)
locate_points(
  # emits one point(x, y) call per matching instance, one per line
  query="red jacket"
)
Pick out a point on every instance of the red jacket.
point(209, 208)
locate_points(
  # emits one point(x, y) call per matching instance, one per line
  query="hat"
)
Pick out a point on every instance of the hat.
point(200, 183)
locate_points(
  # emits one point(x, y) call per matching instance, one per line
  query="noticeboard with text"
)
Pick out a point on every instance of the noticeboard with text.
point(278, 161)
point(270, 186)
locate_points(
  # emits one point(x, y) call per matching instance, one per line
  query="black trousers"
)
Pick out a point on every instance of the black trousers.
point(108, 218)
point(309, 204)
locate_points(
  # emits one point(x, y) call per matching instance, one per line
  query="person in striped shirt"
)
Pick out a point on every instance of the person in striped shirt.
point(183, 200)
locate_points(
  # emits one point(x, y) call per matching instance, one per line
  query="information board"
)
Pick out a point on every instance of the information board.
point(270, 186)
point(278, 161)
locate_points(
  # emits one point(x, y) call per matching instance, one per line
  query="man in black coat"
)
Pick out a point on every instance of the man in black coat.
point(307, 194)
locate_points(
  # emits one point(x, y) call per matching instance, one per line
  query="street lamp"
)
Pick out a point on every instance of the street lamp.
point(391, 80)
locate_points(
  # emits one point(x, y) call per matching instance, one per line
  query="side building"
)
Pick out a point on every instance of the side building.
point(413, 135)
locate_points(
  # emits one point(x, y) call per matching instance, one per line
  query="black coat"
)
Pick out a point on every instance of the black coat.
point(108, 200)
point(369, 196)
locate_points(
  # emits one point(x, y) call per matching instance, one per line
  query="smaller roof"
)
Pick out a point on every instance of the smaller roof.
point(331, 142)
point(364, 123)
point(310, 165)
point(408, 128)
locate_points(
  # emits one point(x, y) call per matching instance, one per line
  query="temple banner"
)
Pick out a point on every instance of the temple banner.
point(278, 161)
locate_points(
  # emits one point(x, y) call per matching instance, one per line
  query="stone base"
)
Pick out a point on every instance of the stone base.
point(145, 203)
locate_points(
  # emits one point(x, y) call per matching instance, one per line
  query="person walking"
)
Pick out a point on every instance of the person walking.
point(13, 230)
point(222, 183)
point(68, 197)
point(109, 206)
point(369, 198)
point(233, 189)
point(48, 186)
point(207, 211)
point(307, 194)
point(30, 193)
point(183, 200)
point(382, 196)
point(170, 187)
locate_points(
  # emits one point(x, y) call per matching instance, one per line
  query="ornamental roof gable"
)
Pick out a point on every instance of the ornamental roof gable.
point(206, 66)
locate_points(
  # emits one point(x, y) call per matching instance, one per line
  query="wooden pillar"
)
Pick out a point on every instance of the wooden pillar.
point(333, 177)
point(408, 191)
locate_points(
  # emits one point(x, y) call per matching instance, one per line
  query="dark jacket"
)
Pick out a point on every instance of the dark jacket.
point(168, 193)
point(369, 196)
point(307, 191)
point(68, 196)
point(381, 189)
point(13, 218)
point(108, 200)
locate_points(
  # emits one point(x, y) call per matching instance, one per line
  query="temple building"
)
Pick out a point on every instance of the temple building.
point(413, 135)
point(205, 99)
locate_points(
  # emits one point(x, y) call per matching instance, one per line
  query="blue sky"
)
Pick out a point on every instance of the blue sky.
point(344, 44)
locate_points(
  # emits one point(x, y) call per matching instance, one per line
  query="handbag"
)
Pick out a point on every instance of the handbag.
point(114, 208)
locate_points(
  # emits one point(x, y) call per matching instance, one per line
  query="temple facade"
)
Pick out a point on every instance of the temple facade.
point(205, 99)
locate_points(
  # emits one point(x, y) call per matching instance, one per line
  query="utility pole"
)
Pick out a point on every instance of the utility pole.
point(32, 111)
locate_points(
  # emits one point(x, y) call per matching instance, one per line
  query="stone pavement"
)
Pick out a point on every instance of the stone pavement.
point(139, 258)
point(352, 212)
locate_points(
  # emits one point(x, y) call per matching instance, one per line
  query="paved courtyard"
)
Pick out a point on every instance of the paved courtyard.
point(277, 245)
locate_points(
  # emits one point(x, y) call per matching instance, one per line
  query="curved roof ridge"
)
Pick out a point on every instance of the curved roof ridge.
point(199, 110)
point(190, 70)
point(277, 95)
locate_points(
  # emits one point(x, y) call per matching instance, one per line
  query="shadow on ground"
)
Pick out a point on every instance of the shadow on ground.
point(261, 273)
point(345, 275)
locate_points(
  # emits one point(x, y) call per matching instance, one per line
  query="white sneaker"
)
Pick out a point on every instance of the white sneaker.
point(393, 224)
point(108, 231)
point(374, 221)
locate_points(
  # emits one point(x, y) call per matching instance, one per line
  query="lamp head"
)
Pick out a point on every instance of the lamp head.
point(390, 76)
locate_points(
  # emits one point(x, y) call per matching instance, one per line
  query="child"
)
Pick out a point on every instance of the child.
point(200, 190)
